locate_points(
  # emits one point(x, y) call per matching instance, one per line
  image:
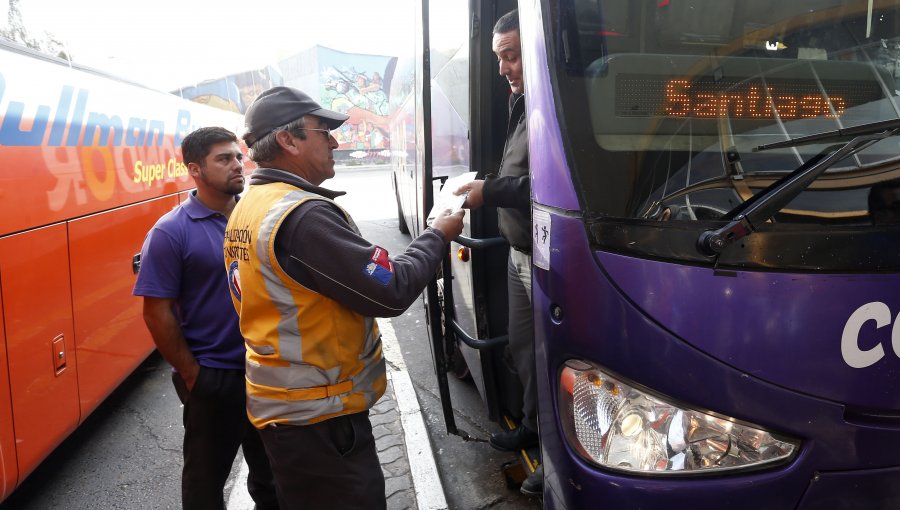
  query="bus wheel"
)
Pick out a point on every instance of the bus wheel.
point(455, 361)
point(404, 228)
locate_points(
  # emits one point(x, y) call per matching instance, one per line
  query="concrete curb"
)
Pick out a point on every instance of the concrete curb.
point(426, 482)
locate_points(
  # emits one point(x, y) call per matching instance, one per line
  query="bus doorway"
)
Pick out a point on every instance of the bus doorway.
point(454, 114)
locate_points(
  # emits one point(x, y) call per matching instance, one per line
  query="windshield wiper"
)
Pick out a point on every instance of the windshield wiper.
point(747, 217)
point(837, 135)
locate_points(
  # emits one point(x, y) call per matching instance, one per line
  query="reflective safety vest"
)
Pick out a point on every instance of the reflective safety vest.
point(309, 358)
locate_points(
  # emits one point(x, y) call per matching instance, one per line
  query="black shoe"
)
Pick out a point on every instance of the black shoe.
point(534, 484)
point(514, 440)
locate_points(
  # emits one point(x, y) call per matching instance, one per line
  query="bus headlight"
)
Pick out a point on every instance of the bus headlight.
point(621, 427)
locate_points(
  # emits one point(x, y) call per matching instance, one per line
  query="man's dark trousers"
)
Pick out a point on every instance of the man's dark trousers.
point(215, 424)
point(330, 464)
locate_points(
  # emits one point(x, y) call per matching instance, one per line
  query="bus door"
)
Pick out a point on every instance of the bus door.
point(464, 117)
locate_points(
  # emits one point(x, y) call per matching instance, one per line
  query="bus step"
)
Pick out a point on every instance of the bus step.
point(514, 473)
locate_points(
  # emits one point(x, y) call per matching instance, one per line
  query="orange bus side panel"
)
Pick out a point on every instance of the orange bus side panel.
point(9, 474)
point(110, 334)
point(43, 378)
point(51, 184)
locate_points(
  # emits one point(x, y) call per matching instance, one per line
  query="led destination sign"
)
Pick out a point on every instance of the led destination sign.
point(660, 96)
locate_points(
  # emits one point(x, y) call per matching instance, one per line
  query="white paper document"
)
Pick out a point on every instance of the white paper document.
point(446, 199)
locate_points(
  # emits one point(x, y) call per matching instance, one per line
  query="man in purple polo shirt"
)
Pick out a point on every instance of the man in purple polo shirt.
point(188, 310)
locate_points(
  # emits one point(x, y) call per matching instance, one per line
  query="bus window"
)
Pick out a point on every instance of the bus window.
point(688, 103)
point(685, 22)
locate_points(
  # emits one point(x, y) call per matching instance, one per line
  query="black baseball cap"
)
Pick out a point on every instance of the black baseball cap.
point(279, 106)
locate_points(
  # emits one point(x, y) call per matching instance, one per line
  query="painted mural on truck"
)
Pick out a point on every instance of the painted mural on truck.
point(351, 83)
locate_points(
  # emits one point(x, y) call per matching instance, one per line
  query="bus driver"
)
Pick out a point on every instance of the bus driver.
point(510, 192)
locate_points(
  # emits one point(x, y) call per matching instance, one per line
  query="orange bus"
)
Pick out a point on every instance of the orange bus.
point(89, 164)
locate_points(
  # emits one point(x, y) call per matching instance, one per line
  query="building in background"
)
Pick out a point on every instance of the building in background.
point(351, 83)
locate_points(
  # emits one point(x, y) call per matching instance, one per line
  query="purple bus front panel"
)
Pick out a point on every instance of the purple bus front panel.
point(602, 325)
point(812, 333)
point(878, 487)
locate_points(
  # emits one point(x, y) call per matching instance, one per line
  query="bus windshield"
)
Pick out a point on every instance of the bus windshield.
point(667, 100)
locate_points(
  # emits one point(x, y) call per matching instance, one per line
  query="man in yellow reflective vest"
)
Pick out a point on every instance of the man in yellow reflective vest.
point(307, 287)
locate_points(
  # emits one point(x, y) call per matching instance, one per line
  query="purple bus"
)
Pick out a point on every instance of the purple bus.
point(716, 211)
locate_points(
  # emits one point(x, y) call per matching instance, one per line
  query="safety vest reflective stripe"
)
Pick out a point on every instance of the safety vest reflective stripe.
point(290, 340)
point(318, 392)
point(309, 358)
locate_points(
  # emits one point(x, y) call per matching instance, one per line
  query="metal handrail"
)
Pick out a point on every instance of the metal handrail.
point(478, 244)
point(478, 343)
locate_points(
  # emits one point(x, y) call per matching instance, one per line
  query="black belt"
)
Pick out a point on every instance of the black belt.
point(526, 251)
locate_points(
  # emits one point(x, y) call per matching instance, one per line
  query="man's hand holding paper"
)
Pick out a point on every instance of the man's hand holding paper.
point(450, 199)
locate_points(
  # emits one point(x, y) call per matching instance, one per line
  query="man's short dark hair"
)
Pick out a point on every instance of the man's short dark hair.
point(507, 23)
point(196, 145)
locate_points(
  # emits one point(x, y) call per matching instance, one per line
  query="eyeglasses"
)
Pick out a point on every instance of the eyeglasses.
point(325, 132)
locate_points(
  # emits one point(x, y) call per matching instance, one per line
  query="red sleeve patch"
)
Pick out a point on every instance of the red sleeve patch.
point(380, 256)
point(380, 266)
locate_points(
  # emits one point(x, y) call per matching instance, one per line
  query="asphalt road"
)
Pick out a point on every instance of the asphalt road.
point(126, 455)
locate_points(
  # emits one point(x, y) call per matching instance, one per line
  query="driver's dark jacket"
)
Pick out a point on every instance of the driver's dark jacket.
point(510, 191)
